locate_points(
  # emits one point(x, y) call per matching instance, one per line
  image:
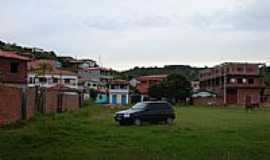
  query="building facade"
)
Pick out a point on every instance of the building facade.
point(13, 68)
point(95, 78)
point(118, 92)
point(234, 83)
point(53, 78)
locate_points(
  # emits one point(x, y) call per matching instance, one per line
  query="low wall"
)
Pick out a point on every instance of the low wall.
point(59, 101)
point(16, 103)
point(207, 101)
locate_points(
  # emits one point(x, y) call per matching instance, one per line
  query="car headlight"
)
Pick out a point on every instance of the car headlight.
point(126, 115)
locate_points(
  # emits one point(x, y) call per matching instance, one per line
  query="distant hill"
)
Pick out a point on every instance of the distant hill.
point(191, 73)
point(33, 52)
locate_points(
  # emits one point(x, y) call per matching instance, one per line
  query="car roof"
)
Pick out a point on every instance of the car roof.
point(151, 102)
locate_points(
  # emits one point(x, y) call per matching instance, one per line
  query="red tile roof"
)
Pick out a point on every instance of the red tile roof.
point(13, 55)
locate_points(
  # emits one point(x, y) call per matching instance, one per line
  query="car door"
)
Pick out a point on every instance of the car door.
point(156, 111)
point(167, 111)
point(149, 114)
point(163, 111)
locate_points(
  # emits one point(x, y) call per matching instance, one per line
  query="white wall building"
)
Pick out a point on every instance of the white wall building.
point(53, 78)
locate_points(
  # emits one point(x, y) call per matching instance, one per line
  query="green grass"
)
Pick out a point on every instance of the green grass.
point(90, 133)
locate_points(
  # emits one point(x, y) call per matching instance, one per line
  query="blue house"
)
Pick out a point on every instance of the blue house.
point(119, 92)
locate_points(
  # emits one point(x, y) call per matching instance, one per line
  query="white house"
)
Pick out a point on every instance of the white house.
point(53, 78)
point(119, 92)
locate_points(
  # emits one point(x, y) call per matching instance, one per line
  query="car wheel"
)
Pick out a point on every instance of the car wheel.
point(137, 122)
point(169, 120)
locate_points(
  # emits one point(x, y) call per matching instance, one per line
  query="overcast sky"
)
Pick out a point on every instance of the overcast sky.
point(128, 33)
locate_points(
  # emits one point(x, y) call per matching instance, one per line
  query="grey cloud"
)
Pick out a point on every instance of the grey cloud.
point(121, 23)
point(253, 16)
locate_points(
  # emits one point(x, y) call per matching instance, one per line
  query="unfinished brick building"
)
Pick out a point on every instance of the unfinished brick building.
point(234, 83)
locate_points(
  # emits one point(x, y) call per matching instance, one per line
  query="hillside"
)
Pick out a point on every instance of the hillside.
point(191, 73)
point(29, 51)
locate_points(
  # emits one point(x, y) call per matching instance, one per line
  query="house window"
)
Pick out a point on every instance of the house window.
point(55, 80)
point(250, 81)
point(239, 69)
point(67, 81)
point(240, 81)
point(14, 66)
point(42, 80)
point(250, 70)
point(31, 80)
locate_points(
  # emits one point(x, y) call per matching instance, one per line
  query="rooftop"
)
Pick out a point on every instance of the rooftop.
point(13, 55)
point(55, 72)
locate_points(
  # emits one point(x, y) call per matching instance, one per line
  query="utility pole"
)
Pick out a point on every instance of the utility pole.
point(224, 86)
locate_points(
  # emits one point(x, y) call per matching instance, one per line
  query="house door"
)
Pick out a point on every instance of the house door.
point(123, 99)
point(232, 96)
point(114, 99)
point(40, 99)
point(60, 103)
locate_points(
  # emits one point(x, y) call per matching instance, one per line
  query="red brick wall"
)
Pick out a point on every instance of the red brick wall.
point(254, 93)
point(10, 104)
point(51, 101)
point(20, 77)
point(70, 102)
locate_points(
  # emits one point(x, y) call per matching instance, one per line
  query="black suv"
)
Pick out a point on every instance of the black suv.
point(146, 111)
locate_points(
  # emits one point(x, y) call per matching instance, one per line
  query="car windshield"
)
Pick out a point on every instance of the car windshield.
point(138, 106)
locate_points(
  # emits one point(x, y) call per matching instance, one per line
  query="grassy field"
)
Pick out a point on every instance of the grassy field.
point(90, 133)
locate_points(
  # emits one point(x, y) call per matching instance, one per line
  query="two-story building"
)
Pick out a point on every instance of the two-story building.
point(234, 83)
point(95, 77)
point(118, 92)
point(46, 73)
point(53, 78)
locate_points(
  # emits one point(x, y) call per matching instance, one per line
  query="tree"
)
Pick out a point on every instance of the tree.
point(43, 68)
point(175, 88)
point(93, 94)
point(156, 91)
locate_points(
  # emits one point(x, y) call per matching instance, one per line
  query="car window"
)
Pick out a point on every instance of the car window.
point(138, 106)
point(158, 106)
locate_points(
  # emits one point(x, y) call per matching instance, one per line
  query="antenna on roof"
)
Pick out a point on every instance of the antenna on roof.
point(99, 61)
